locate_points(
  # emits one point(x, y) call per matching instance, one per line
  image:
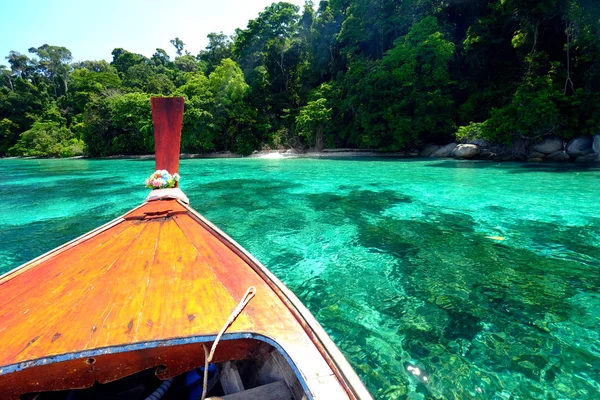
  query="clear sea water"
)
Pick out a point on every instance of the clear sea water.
point(396, 258)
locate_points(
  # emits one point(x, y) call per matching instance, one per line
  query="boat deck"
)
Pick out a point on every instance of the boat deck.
point(160, 274)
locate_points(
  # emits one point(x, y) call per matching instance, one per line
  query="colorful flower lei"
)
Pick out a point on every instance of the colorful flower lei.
point(161, 179)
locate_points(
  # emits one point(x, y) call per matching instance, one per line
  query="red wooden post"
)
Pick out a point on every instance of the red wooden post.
point(167, 116)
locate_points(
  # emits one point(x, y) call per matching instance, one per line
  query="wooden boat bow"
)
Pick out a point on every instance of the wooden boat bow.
point(148, 290)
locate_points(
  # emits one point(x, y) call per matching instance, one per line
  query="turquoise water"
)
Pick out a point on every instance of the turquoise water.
point(392, 256)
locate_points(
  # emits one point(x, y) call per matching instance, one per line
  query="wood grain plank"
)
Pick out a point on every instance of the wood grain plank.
point(265, 310)
point(57, 265)
point(121, 324)
point(183, 288)
point(24, 321)
point(109, 297)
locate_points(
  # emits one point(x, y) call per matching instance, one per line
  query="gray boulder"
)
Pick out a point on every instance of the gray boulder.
point(444, 151)
point(429, 150)
point(596, 145)
point(558, 156)
point(580, 146)
point(535, 159)
point(535, 154)
point(549, 145)
point(465, 151)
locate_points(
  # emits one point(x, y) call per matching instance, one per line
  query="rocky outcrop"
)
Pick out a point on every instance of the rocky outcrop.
point(429, 150)
point(444, 151)
point(549, 145)
point(558, 156)
point(580, 146)
point(583, 149)
point(465, 151)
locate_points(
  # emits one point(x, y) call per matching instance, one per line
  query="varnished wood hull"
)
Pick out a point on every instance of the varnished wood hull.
point(146, 290)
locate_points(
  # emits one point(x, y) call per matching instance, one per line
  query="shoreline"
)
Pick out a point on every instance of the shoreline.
point(282, 154)
point(263, 154)
point(327, 153)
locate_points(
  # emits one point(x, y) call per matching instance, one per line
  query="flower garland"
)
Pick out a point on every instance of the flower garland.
point(161, 179)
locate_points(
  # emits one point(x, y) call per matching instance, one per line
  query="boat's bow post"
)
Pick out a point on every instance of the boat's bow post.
point(167, 117)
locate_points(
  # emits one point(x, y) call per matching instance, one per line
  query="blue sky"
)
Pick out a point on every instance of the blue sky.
point(92, 29)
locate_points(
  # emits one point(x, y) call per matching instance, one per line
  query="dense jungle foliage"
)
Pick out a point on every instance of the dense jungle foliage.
point(380, 74)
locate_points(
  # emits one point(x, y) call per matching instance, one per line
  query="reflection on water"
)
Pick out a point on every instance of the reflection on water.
point(400, 261)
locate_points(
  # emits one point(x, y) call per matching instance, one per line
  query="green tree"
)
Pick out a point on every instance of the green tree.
point(229, 89)
point(199, 132)
point(227, 82)
point(123, 60)
point(22, 107)
point(20, 64)
point(219, 47)
point(402, 100)
point(54, 62)
point(160, 57)
point(187, 63)
point(145, 78)
point(420, 105)
point(179, 45)
point(6, 77)
point(7, 136)
point(96, 66)
point(48, 139)
point(270, 51)
point(87, 84)
point(119, 124)
point(314, 116)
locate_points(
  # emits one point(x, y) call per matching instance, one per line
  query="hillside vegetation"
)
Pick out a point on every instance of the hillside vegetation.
point(373, 74)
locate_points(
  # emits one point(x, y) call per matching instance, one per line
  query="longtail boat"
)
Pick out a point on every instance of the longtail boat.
point(160, 303)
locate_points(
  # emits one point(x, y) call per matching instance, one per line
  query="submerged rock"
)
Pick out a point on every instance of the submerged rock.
point(580, 146)
point(429, 150)
point(466, 151)
point(558, 156)
point(549, 145)
point(444, 151)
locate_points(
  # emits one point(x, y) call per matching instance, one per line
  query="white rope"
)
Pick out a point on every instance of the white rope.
point(234, 314)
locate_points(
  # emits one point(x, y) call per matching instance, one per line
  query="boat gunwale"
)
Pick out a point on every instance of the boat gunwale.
point(154, 344)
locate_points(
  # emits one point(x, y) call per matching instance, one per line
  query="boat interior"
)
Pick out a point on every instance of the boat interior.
point(264, 374)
